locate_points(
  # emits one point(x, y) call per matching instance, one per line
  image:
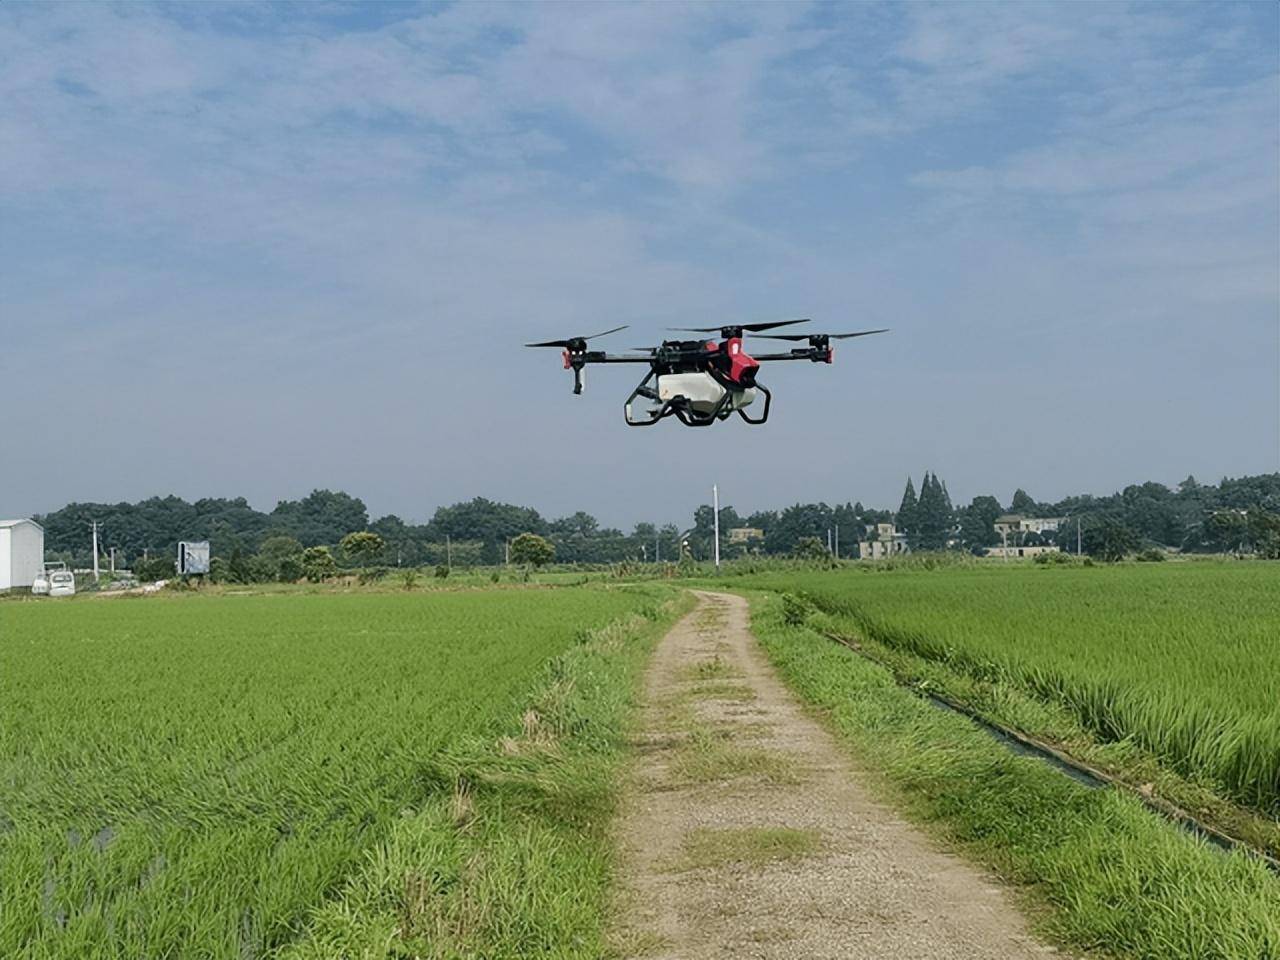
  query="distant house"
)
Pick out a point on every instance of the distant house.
point(1014, 528)
point(21, 553)
point(882, 540)
point(1013, 524)
point(745, 534)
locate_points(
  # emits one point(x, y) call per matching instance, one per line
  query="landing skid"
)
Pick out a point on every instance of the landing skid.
point(680, 408)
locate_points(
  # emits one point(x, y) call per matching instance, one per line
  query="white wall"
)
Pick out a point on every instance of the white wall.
point(21, 555)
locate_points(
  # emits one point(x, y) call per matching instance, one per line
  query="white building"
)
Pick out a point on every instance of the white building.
point(883, 540)
point(21, 553)
point(1012, 524)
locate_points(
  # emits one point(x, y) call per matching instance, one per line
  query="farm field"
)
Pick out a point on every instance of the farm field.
point(205, 776)
point(1180, 658)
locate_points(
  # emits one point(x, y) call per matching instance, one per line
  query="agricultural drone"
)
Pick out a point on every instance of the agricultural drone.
point(700, 381)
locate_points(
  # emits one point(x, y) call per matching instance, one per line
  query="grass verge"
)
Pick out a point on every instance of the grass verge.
point(708, 848)
point(1117, 879)
point(507, 852)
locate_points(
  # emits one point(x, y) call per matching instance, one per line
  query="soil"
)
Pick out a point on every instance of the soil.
point(746, 831)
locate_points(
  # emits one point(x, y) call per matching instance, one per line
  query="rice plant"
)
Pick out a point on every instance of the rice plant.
point(195, 776)
point(1181, 658)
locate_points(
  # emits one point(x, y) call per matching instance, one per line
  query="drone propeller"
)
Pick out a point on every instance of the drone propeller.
point(822, 336)
point(748, 327)
point(572, 340)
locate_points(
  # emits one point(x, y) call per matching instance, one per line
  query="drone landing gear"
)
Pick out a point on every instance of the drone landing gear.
point(680, 408)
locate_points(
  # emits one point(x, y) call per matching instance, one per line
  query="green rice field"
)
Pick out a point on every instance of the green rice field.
point(199, 776)
point(1182, 659)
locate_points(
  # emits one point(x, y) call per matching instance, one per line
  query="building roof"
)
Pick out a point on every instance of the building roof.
point(14, 523)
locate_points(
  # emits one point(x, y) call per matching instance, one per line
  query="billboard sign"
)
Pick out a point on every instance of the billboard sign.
point(193, 557)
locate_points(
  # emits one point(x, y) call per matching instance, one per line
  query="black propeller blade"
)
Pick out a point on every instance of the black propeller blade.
point(571, 340)
point(825, 336)
point(750, 327)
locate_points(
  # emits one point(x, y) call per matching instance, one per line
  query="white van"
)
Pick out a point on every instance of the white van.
point(62, 583)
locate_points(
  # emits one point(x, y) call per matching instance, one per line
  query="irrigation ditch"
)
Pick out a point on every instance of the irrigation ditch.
point(1090, 776)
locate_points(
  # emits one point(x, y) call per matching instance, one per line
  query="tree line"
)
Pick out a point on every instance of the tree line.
point(1235, 515)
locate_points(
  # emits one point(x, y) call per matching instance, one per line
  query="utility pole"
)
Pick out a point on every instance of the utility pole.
point(657, 545)
point(1004, 542)
point(508, 563)
point(448, 553)
point(1077, 536)
point(113, 560)
point(837, 541)
point(95, 551)
point(715, 501)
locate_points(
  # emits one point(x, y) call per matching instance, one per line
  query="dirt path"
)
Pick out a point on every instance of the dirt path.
point(746, 832)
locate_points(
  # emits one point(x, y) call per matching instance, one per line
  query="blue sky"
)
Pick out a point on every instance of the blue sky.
point(260, 249)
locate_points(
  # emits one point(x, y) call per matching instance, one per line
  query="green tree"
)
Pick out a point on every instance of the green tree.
point(362, 547)
point(276, 548)
point(1110, 540)
point(797, 522)
point(934, 514)
point(1023, 504)
point(531, 550)
point(490, 523)
point(156, 568)
point(811, 549)
point(1226, 530)
point(977, 523)
point(318, 563)
point(290, 569)
point(908, 513)
point(1264, 532)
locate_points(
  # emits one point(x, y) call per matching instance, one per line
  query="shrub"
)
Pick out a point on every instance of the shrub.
point(1054, 559)
point(795, 610)
point(532, 550)
point(290, 570)
point(442, 571)
point(371, 575)
point(318, 563)
point(156, 568)
point(811, 549)
point(1151, 555)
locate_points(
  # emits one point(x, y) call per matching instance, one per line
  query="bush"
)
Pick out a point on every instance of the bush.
point(442, 571)
point(318, 563)
point(532, 550)
point(811, 549)
point(156, 568)
point(371, 575)
point(290, 569)
point(1151, 555)
point(1054, 559)
point(795, 610)
point(409, 578)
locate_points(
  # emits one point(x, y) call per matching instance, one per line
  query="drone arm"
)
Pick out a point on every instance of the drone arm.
point(800, 353)
point(599, 356)
point(576, 361)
